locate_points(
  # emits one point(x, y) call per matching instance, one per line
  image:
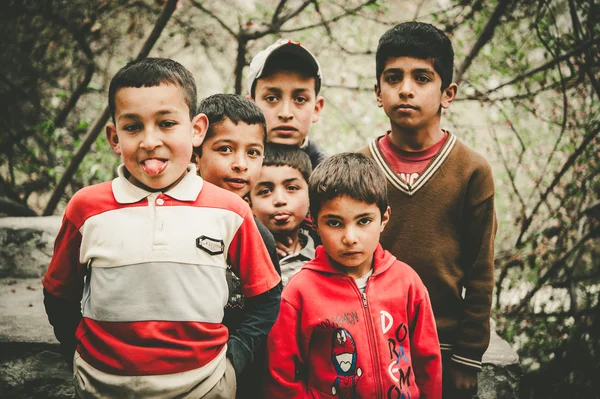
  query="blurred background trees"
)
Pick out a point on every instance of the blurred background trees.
point(529, 79)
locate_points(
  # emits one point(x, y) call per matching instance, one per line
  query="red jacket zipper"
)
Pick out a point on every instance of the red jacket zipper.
point(372, 343)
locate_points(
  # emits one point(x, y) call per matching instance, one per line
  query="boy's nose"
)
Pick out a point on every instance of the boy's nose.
point(279, 198)
point(150, 140)
point(406, 89)
point(240, 164)
point(349, 237)
point(285, 111)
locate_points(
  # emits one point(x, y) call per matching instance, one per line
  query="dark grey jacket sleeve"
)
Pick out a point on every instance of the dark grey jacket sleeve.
point(64, 315)
point(259, 314)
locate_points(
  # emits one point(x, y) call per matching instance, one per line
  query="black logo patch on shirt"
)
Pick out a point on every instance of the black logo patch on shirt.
point(210, 245)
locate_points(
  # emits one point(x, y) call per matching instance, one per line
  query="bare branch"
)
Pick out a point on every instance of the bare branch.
point(323, 20)
point(92, 134)
point(514, 130)
point(586, 277)
point(351, 88)
point(17, 89)
point(567, 165)
point(278, 9)
point(565, 108)
point(294, 13)
point(75, 96)
point(73, 30)
point(240, 63)
point(583, 46)
point(214, 16)
point(588, 54)
point(332, 37)
point(12, 208)
point(556, 265)
point(511, 176)
point(570, 82)
point(347, 12)
point(486, 35)
point(418, 10)
point(455, 22)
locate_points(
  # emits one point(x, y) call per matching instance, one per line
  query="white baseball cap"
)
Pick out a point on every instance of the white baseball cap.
point(287, 48)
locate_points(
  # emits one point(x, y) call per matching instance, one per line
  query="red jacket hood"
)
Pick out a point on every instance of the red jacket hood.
point(382, 260)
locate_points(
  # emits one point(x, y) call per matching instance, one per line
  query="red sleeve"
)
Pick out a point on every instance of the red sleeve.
point(64, 277)
point(285, 357)
point(425, 346)
point(250, 259)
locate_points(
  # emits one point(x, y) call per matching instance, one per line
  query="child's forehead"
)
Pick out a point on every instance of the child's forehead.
point(346, 205)
point(165, 95)
point(406, 64)
point(238, 132)
point(280, 173)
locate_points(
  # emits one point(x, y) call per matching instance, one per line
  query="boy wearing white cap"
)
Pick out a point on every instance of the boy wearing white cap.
point(284, 81)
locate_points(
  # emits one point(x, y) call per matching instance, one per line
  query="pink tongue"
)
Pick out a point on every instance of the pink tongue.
point(154, 166)
point(281, 217)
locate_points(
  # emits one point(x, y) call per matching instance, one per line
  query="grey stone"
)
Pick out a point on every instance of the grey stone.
point(34, 372)
point(501, 372)
point(26, 245)
point(22, 315)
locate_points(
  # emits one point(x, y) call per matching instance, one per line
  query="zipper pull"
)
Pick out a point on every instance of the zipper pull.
point(364, 297)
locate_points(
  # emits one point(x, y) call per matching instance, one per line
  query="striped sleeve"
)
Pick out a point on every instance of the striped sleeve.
point(250, 259)
point(64, 277)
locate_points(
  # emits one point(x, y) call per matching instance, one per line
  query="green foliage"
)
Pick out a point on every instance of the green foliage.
point(547, 288)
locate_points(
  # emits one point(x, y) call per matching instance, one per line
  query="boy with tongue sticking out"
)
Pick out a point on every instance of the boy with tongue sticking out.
point(136, 286)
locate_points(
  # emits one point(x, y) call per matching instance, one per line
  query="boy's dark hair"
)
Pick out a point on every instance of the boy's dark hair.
point(347, 174)
point(417, 40)
point(288, 155)
point(219, 107)
point(152, 72)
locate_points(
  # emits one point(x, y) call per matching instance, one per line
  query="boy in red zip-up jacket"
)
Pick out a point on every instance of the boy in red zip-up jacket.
point(354, 322)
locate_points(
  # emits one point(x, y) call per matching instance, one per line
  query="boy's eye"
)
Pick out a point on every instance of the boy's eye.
point(167, 124)
point(301, 100)
point(254, 153)
point(422, 79)
point(271, 99)
point(132, 127)
point(224, 148)
point(392, 79)
point(333, 223)
point(293, 188)
point(364, 221)
point(263, 191)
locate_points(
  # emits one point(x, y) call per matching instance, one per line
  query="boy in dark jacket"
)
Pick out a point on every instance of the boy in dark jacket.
point(230, 157)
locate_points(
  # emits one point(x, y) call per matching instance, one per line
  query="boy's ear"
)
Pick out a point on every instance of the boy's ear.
point(378, 95)
point(319, 104)
point(385, 218)
point(199, 129)
point(448, 95)
point(249, 97)
point(113, 138)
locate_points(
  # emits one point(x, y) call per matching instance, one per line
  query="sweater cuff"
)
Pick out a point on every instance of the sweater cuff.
point(239, 354)
point(470, 362)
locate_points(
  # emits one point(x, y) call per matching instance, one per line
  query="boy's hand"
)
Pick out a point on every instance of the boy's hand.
point(284, 248)
point(464, 381)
